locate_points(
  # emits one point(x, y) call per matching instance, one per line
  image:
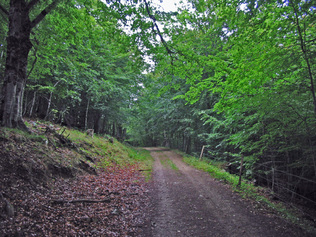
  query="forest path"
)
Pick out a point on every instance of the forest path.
point(188, 202)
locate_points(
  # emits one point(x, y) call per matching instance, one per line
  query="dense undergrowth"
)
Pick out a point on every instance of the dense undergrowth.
point(260, 196)
point(63, 182)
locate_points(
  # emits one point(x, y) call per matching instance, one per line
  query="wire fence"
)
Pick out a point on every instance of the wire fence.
point(290, 174)
point(277, 180)
point(280, 186)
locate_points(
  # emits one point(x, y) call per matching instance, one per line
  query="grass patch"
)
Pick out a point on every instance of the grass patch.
point(172, 165)
point(145, 160)
point(214, 171)
point(21, 136)
point(164, 163)
point(169, 164)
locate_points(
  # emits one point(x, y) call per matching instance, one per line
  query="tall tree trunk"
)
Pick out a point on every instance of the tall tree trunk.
point(32, 105)
point(188, 145)
point(18, 48)
point(114, 130)
point(97, 121)
point(49, 102)
point(86, 116)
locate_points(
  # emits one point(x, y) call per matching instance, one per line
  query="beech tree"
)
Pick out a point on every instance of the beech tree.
point(18, 48)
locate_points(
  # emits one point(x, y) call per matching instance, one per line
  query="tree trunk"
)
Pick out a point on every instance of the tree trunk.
point(50, 101)
point(32, 105)
point(18, 48)
point(114, 130)
point(86, 116)
point(188, 146)
point(97, 121)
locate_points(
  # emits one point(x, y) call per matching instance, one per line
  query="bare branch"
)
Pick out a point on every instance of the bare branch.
point(42, 15)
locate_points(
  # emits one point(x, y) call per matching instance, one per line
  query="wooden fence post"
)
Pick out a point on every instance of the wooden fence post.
point(240, 171)
point(202, 152)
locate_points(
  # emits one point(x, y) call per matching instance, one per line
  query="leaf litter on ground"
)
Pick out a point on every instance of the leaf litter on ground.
point(122, 215)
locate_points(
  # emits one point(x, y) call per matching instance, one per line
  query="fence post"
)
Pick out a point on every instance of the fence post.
point(240, 171)
point(202, 152)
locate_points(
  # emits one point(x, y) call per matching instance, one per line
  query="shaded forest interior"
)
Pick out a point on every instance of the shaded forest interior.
point(237, 77)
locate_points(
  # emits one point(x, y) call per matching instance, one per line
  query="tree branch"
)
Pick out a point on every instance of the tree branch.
point(305, 54)
point(33, 64)
point(42, 15)
point(152, 17)
point(4, 10)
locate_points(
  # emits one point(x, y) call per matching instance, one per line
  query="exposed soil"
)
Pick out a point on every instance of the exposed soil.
point(188, 202)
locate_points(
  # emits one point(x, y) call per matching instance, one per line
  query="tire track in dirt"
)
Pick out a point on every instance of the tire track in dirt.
point(188, 202)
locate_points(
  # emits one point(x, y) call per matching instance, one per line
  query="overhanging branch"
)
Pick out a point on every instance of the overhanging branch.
point(153, 18)
point(42, 15)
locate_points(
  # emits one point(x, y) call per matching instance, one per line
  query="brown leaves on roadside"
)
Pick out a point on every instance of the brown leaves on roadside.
point(38, 215)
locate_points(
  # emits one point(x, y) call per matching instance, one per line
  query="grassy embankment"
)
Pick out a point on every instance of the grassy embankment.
point(111, 153)
point(57, 149)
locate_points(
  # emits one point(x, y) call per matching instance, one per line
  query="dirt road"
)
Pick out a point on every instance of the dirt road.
point(188, 202)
